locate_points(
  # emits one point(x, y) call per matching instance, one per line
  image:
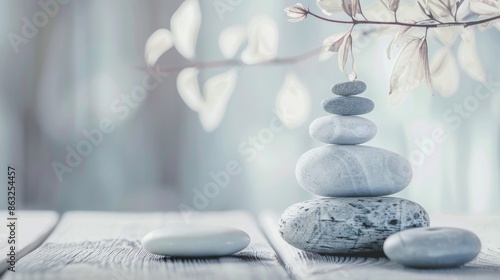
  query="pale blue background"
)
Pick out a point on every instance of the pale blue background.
point(63, 80)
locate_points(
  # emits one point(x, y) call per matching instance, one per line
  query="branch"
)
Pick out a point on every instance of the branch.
point(237, 62)
point(398, 23)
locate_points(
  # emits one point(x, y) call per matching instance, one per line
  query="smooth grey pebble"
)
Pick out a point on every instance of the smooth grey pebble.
point(348, 105)
point(343, 171)
point(434, 247)
point(342, 130)
point(349, 88)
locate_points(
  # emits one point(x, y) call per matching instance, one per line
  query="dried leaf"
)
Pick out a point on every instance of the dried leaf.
point(293, 102)
point(424, 58)
point(468, 57)
point(333, 43)
point(401, 32)
point(484, 7)
point(189, 89)
point(262, 40)
point(344, 51)
point(329, 7)
point(392, 5)
point(185, 25)
point(296, 12)
point(447, 36)
point(351, 7)
point(408, 71)
point(217, 91)
point(231, 39)
point(157, 44)
point(444, 71)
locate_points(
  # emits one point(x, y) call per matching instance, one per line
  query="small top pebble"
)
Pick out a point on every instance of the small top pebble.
point(349, 88)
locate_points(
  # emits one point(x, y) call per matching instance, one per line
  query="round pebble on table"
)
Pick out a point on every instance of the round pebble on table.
point(342, 130)
point(348, 105)
point(349, 88)
point(195, 241)
point(348, 225)
point(434, 247)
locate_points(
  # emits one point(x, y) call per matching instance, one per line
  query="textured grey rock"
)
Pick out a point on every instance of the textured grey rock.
point(435, 247)
point(341, 171)
point(348, 105)
point(342, 130)
point(349, 88)
point(348, 225)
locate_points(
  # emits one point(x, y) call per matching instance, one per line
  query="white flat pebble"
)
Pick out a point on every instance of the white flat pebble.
point(195, 241)
point(434, 247)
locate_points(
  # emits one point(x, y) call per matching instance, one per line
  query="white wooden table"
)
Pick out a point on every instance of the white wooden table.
point(101, 245)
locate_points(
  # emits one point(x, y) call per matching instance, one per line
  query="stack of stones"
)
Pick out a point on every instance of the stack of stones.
point(354, 217)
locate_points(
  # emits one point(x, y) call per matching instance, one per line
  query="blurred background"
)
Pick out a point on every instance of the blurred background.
point(69, 76)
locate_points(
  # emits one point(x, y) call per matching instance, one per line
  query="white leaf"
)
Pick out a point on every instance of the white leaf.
point(440, 11)
point(351, 7)
point(392, 5)
point(262, 40)
point(444, 72)
point(468, 57)
point(345, 51)
point(329, 7)
point(157, 44)
point(324, 55)
point(293, 102)
point(424, 59)
point(231, 39)
point(185, 25)
point(484, 7)
point(407, 73)
point(189, 89)
point(296, 12)
point(333, 43)
point(401, 32)
point(447, 35)
point(217, 91)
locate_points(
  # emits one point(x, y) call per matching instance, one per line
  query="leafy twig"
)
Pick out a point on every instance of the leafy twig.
point(399, 23)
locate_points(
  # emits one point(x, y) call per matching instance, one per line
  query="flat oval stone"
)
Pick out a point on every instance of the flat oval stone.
point(349, 88)
point(348, 225)
point(434, 247)
point(342, 130)
point(195, 241)
point(342, 171)
point(348, 105)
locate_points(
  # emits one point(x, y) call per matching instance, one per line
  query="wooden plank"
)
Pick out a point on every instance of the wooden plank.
point(32, 227)
point(305, 265)
point(93, 245)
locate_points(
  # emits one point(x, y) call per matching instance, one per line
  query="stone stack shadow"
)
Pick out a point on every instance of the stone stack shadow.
point(353, 217)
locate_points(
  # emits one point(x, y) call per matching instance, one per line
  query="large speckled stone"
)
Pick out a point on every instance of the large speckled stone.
point(340, 171)
point(349, 88)
point(435, 247)
point(348, 225)
point(348, 105)
point(342, 130)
